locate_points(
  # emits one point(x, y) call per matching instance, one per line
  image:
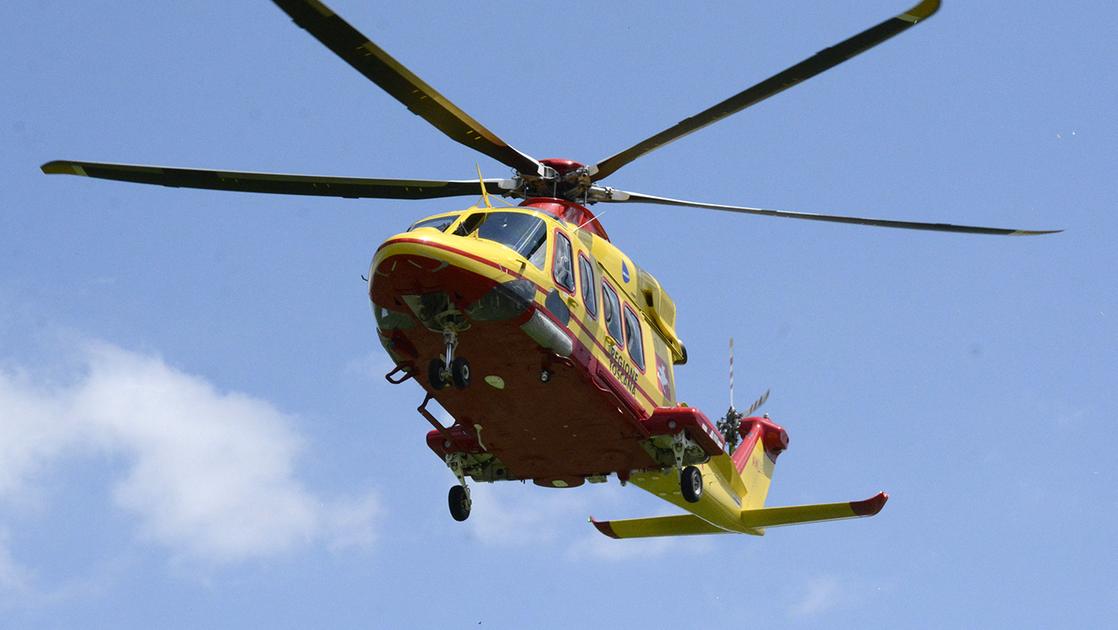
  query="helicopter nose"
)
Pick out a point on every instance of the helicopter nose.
point(405, 266)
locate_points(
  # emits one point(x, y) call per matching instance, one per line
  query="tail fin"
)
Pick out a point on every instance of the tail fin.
point(755, 458)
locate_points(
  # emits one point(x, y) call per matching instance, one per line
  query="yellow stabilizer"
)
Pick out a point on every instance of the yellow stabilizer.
point(750, 522)
point(796, 514)
point(677, 525)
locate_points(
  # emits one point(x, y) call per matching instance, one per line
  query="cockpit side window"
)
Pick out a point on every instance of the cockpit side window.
point(562, 267)
point(611, 312)
point(469, 224)
point(438, 223)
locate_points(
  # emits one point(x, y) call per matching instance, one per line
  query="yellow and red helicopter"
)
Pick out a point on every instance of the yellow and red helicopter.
point(551, 349)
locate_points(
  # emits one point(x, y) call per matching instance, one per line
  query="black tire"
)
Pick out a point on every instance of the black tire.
point(691, 484)
point(435, 373)
point(459, 501)
point(460, 373)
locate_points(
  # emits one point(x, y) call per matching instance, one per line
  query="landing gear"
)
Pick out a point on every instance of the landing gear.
point(691, 484)
point(690, 479)
point(459, 497)
point(459, 501)
point(446, 370)
point(545, 375)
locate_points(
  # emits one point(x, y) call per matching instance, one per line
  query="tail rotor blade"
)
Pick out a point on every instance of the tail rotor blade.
point(757, 404)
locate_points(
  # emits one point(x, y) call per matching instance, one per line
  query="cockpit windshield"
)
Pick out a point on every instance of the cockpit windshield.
point(439, 223)
point(523, 233)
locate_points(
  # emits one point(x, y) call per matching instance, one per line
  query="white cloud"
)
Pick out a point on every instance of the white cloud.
point(349, 523)
point(372, 366)
point(211, 474)
point(33, 428)
point(822, 594)
point(534, 516)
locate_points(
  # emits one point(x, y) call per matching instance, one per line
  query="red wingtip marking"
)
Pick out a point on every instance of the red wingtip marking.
point(870, 506)
point(604, 527)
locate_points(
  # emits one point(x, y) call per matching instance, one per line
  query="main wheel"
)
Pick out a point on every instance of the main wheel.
point(435, 373)
point(460, 372)
point(459, 501)
point(691, 484)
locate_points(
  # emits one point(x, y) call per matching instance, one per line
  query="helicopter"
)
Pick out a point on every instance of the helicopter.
point(551, 349)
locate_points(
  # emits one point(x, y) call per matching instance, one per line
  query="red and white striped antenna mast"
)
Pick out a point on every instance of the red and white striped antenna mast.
point(731, 373)
point(728, 424)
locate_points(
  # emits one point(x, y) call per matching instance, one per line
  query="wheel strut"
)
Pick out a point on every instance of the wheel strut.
point(450, 339)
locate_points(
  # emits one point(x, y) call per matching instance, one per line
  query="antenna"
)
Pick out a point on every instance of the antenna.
point(728, 424)
point(481, 180)
point(731, 373)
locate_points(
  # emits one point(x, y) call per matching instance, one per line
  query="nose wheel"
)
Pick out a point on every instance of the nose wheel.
point(448, 369)
point(458, 374)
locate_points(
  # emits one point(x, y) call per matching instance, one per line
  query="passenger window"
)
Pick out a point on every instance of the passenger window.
point(562, 268)
point(611, 312)
point(589, 287)
point(635, 337)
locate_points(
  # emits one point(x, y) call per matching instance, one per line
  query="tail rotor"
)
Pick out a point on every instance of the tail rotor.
point(728, 424)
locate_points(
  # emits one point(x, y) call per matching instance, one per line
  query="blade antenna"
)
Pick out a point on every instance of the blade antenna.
point(484, 193)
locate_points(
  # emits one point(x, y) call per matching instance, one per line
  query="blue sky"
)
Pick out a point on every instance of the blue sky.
point(194, 431)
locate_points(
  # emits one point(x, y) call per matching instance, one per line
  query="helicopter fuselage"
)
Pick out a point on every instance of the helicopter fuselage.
point(564, 362)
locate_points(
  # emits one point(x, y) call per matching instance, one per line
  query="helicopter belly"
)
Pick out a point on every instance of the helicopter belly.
point(542, 402)
point(561, 430)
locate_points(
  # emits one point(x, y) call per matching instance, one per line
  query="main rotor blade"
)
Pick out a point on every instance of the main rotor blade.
point(823, 60)
point(422, 99)
point(620, 196)
point(350, 187)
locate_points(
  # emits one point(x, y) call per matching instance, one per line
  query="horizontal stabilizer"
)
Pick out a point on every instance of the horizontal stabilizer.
point(678, 525)
point(794, 515)
point(751, 521)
